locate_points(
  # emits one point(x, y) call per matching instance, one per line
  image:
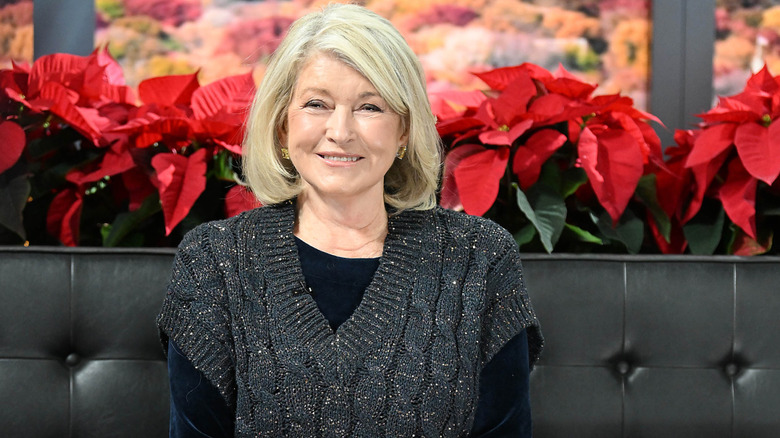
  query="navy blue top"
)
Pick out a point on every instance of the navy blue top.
point(503, 408)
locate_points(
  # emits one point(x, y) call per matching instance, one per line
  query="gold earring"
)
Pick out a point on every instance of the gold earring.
point(401, 153)
point(285, 154)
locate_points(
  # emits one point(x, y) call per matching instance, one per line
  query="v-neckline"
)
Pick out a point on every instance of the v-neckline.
point(377, 316)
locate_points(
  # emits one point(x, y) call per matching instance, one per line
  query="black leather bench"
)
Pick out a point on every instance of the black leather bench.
point(642, 346)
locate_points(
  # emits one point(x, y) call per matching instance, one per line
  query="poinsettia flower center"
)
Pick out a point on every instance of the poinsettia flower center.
point(766, 120)
point(504, 128)
point(585, 119)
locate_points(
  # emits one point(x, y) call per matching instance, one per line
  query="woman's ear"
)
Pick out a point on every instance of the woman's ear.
point(404, 139)
point(281, 133)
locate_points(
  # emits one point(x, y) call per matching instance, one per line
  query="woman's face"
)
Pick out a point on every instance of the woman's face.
point(341, 135)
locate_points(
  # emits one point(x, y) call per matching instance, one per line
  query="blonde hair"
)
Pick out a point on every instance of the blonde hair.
point(374, 48)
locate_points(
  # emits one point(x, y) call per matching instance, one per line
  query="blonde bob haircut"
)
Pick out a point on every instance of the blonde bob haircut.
point(374, 48)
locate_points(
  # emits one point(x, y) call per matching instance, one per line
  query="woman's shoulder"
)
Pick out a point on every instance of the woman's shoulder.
point(482, 231)
point(250, 219)
point(236, 228)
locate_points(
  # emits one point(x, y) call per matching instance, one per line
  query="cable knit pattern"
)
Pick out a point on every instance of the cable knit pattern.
point(447, 295)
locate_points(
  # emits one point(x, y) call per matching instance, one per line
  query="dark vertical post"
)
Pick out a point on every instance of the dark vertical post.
point(63, 26)
point(700, 49)
point(681, 72)
point(667, 88)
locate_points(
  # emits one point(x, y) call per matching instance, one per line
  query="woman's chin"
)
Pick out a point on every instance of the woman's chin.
point(343, 191)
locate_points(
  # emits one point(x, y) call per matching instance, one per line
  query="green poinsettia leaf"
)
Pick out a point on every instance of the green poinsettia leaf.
point(14, 191)
point(565, 182)
point(739, 243)
point(705, 230)
point(105, 230)
point(572, 180)
point(126, 222)
point(629, 230)
point(223, 167)
point(545, 209)
point(551, 175)
point(39, 148)
point(646, 191)
point(584, 235)
point(525, 235)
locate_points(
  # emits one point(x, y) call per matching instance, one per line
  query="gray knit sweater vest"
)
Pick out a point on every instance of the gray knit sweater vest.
point(447, 295)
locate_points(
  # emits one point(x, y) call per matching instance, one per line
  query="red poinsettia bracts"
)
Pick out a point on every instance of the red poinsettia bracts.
point(73, 88)
point(732, 157)
point(180, 181)
point(148, 154)
point(86, 93)
point(734, 152)
point(561, 169)
point(527, 115)
point(180, 114)
point(239, 199)
point(165, 115)
point(221, 108)
point(13, 144)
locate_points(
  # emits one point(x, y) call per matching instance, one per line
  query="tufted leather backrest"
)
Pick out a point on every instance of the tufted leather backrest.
point(657, 346)
point(79, 351)
point(635, 346)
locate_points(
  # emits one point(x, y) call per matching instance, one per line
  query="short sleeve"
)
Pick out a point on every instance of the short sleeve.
point(195, 311)
point(504, 407)
point(508, 308)
point(197, 407)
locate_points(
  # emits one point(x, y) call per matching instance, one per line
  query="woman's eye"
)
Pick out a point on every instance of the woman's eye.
point(371, 107)
point(314, 104)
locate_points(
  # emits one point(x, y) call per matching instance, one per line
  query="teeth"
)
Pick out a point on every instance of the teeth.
point(328, 157)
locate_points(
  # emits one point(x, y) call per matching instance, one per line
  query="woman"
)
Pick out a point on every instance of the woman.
point(350, 305)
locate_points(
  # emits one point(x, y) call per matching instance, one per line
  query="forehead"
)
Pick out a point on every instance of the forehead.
point(325, 72)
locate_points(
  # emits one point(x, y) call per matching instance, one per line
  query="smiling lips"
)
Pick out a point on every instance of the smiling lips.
point(340, 158)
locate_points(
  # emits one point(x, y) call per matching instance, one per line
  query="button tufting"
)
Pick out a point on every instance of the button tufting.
point(623, 367)
point(72, 360)
point(731, 369)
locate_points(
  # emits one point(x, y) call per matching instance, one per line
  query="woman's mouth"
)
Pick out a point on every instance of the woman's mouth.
point(339, 158)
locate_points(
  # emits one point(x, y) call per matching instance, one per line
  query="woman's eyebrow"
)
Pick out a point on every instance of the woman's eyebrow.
point(315, 90)
point(324, 91)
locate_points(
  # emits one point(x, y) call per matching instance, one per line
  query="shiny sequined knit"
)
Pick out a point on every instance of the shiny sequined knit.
point(447, 295)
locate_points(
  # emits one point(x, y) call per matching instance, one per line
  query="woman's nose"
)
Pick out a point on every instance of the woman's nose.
point(340, 125)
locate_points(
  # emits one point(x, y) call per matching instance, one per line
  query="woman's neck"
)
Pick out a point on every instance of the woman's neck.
point(343, 228)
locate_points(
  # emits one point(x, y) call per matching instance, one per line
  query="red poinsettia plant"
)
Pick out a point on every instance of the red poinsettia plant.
point(558, 167)
point(723, 191)
point(87, 162)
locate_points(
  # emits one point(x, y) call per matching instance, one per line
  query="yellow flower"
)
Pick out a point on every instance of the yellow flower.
point(570, 24)
point(629, 45)
point(733, 53)
point(163, 65)
point(771, 18)
point(21, 46)
point(510, 15)
point(110, 9)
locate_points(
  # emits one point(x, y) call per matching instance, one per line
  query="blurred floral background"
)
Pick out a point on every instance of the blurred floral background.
point(747, 36)
point(604, 42)
point(16, 31)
